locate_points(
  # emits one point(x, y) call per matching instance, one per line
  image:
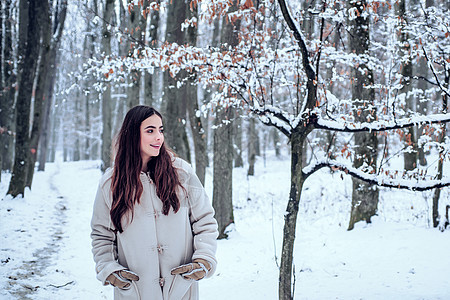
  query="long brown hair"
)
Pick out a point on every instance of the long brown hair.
point(126, 186)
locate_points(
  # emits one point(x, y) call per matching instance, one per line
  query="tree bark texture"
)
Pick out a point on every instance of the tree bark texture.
point(364, 196)
point(174, 94)
point(28, 53)
point(290, 218)
point(39, 99)
point(251, 152)
point(136, 29)
point(422, 106)
point(437, 192)
point(106, 95)
point(237, 140)
point(46, 75)
point(223, 171)
point(7, 92)
point(152, 41)
point(198, 132)
point(409, 157)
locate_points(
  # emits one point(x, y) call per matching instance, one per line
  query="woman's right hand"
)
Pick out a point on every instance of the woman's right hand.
point(122, 279)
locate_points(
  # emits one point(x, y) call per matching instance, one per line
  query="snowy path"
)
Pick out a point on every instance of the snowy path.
point(45, 248)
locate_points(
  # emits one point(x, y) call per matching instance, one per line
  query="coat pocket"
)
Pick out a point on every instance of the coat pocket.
point(131, 293)
point(179, 287)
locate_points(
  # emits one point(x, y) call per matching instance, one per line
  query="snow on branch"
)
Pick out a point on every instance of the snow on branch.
point(300, 39)
point(399, 183)
point(273, 116)
point(381, 125)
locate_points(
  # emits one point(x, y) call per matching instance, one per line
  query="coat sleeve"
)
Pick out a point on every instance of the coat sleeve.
point(204, 226)
point(104, 247)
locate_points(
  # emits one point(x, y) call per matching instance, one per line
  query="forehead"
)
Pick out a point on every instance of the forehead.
point(153, 120)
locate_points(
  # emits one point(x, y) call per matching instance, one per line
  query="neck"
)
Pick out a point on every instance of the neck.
point(144, 165)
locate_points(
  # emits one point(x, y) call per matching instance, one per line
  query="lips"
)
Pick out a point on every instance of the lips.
point(155, 146)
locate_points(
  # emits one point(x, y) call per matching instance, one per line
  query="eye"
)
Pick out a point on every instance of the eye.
point(161, 130)
point(150, 131)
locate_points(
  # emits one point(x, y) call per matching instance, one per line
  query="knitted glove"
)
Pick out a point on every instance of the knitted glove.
point(196, 270)
point(122, 279)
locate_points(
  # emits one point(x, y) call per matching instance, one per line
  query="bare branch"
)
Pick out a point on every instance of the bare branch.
point(445, 90)
point(408, 184)
point(377, 126)
point(298, 36)
point(274, 118)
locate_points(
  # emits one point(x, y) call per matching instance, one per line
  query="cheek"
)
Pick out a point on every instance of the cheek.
point(144, 140)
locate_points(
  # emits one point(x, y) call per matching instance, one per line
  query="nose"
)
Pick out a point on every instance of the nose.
point(158, 136)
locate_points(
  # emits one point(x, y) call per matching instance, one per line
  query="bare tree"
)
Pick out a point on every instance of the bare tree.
point(223, 146)
point(50, 41)
point(175, 96)
point(7, 90)
point(106, 94)
point(364, 196)
point(28, 52)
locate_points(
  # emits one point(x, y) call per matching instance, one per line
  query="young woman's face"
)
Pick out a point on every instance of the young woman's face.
point(152, 138)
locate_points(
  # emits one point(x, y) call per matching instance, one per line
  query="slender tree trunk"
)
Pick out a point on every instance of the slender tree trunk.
point(175, 96)
point(409, 157)
point(437, 192)
point(198, 133)
point(251, 147)
point(364, 196)
point(28, 51)
point(276, 142)
point(48, 84)
point(46, 75)
point(45, 134)
point(136, 29)
point(237, 141)
point(7, 92)
point(223, 147)
point(106, 95)
point(152, 41)
point(223, 176)
point(422, 106)
point(76, 137)
point(39, 99)
point(290, 218)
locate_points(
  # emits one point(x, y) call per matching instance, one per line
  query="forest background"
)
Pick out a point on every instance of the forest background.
point(356, 86)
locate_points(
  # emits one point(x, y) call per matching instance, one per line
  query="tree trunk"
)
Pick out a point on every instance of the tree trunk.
point(7, 92)
point(39, 99)
point(198, 133)
point(422, 106)
point(409, 157)
point(152, 41)
point(437, 192)
point(223, 171)
point(136, 29)
point(364, 196)
point(76, 138)
point(28, 52)
point(223, 147)
point(251, 147)
point(174, 95)
point(106, 95)
point(276, 142)
point(286, 286)
point(46, 75)
point(45, 134)
point(237, 141)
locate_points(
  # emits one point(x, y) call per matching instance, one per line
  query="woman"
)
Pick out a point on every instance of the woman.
point(153, 230)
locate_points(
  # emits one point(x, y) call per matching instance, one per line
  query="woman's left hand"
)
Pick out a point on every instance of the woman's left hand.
point(196, 270)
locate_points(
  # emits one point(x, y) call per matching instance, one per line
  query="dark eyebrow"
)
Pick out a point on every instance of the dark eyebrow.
point(151, 126)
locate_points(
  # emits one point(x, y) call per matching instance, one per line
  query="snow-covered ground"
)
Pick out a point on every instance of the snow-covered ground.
point(45, 247)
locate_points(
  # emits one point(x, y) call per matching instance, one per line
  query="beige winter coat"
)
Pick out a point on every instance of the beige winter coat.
point(153, 243)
